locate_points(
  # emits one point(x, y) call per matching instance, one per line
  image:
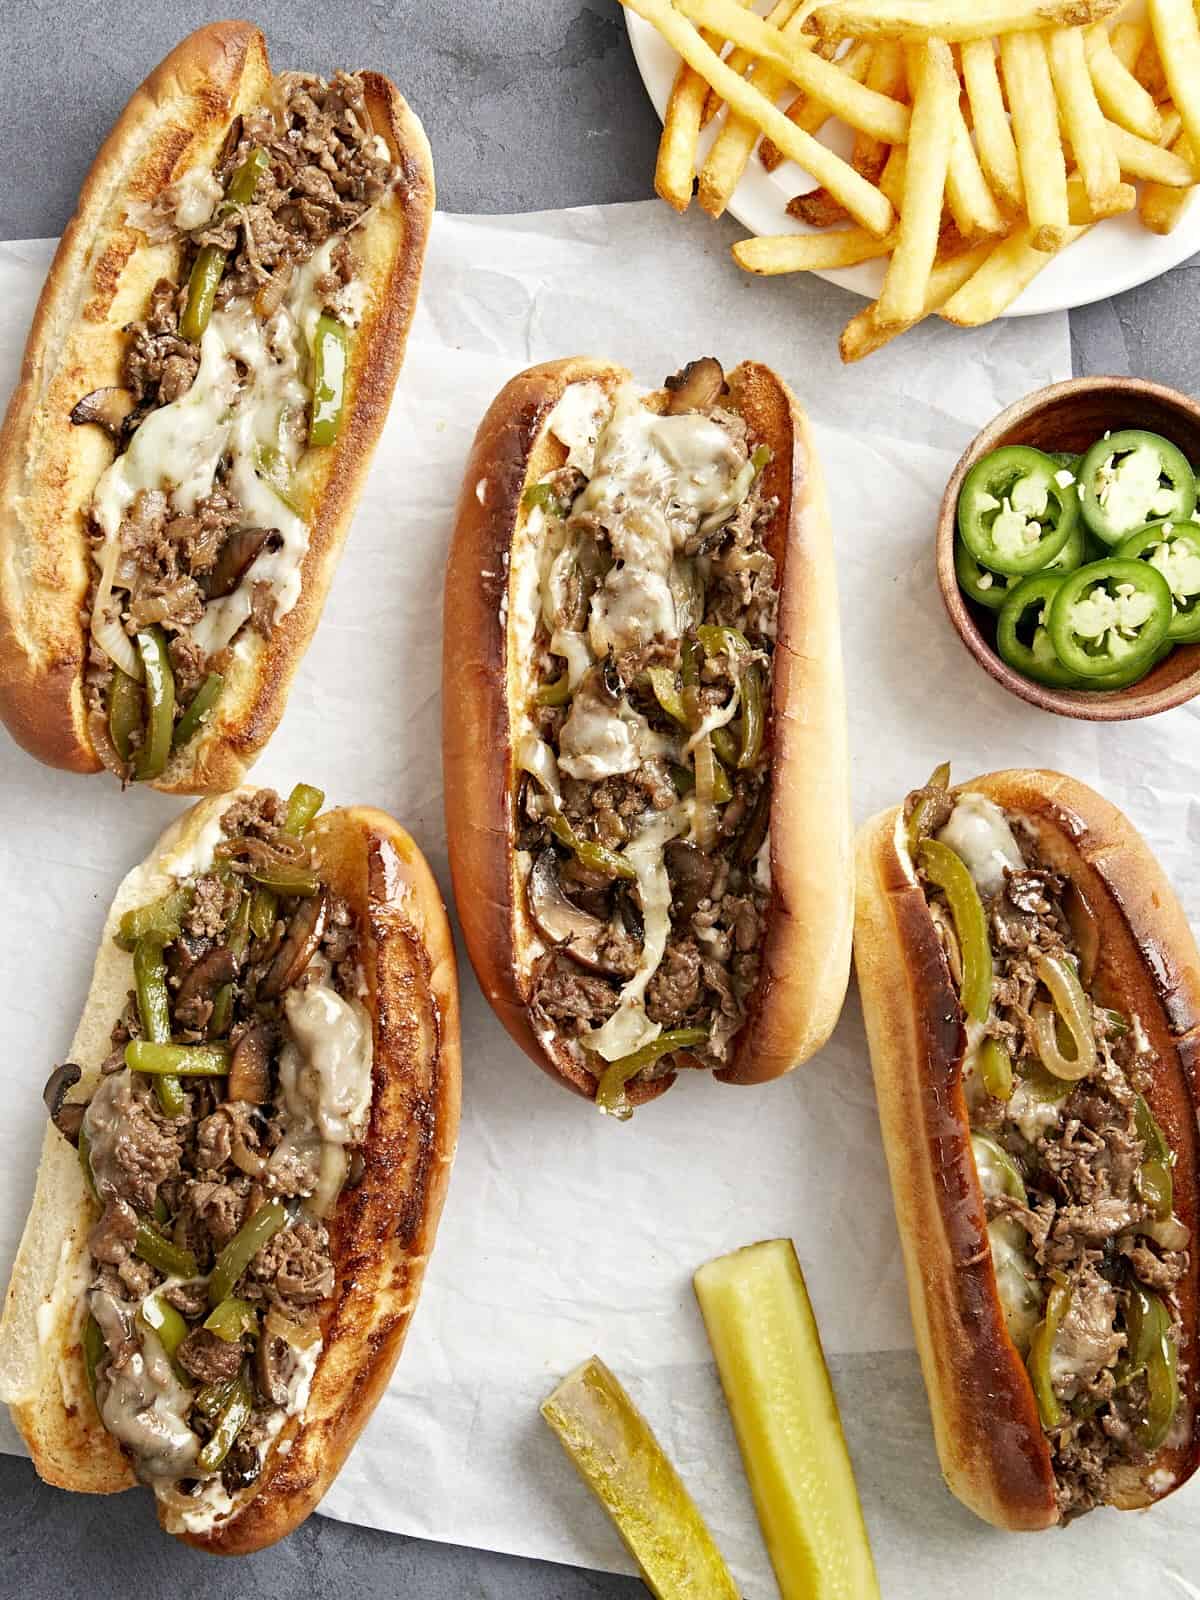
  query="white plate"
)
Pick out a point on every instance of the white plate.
point(1116, 255)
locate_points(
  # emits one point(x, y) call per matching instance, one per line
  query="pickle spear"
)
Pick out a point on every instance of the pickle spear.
point(621, 1461)
point(768, 1351)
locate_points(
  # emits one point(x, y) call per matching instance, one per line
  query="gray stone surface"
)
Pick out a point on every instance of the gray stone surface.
point(529, 104)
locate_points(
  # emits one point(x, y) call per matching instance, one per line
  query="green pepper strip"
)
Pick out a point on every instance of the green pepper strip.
point(947, 869)
point(154, 1008)
point(237, 939)
point(207, 271)
point(1151, 1348)
point(245, 180)
point(596, 856)
point(922, 813)
point(717, 637)
point(273, 468)
point(283, 879)
point(666, 692)
point(555, 693)
point(151, 759)
point(163, 1320)
point(330, 355)
point(263, 907)
point(683, 778)
point(231, 1319)
point(303, 804)
point(213, 1396)
point(231, 1419)
point(610, 1091)
point(93, 1350)
point(1014, 1184)
point(161, 918)
point(1041, 1346)
point(543, 495)
point(242, 1248)
point(996, 1070)
point(198, 708)
point(125, 711)
point(188, 1060)
point(158, 1252)
point(726, 746)
point(750, 840)
point(753, 718)
point(1155, 1181)
point(761, 457)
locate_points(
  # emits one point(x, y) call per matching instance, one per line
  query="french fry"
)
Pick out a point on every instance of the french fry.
point(886, 75)
point(862, 200)
point(675, 168)
point(1035, 127)
point(816, 209)
point(993, 131)
point(1122, 98)
point(1161, 209)
point(853, 102)
point(809, 252)
point(805, 111)
point(864, 333)
point(1177, 35)
point(1127, 40)
point(1011, 266)
point(740, 61)
point(952, 20)
point(971, 201)
point(1083, 119)
point(891, 179)
point(934, 87)
point(1148, 70)
point(1141, 159)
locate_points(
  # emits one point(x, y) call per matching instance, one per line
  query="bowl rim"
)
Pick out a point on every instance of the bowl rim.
point(1116, 705)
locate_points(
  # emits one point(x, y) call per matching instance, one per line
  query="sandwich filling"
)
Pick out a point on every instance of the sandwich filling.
point(642, 622)
point(1075, 1170)
point(219, 1134)
point(236, 373)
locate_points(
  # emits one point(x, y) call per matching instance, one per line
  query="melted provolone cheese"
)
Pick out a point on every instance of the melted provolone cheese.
point(978, 831)
point(602, 739)
point(144, 1406)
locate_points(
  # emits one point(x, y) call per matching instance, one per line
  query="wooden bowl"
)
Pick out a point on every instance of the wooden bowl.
point(1071, 416)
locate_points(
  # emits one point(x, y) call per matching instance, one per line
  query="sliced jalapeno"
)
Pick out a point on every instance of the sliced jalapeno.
point(1174, 549)
point(1110, 616)
point(986, 588)
point(1023, 637)
point(1132, 478)
point(1013, 514)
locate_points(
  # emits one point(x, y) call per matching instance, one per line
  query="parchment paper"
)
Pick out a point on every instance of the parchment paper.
point(566, 1233)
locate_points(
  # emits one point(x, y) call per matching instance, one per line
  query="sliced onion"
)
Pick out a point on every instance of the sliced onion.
point(535, 756)
point(106, 629)
point(1170, 1233)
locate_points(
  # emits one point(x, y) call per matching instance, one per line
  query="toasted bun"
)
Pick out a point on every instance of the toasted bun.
point(99, 281)
point(993, 1451)
point(381, 1229)
point(805, 955)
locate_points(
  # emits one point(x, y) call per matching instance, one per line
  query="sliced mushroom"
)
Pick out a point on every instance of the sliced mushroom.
point(250, 1068)
point(564, 924)
point(203, 979)
point(238, 554)
point(67, 1118)
point(274, 1363)
point(108, 408)
point(698, 386)
point(299, 945)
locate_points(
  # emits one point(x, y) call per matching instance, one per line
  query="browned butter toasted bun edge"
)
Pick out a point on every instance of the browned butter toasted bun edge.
point(99, 281)
point(993, 1451)
point(382, 1229)
point(806, 948)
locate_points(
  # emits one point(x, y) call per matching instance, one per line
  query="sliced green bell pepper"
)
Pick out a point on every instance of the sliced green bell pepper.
point(198, 710)
point(1041, 1347)
point(207, 271)
point(231, 1419)
point(157, 1251)
point(242, 1248)
point(151, 760)
point(126, 710)
point(330, 360)
point(948, 871)
point(188, 1060)
point(302, 806)
point(610, 1091)
point(1151, 1347)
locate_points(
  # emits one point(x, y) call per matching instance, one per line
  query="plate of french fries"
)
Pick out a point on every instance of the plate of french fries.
point(966, 159)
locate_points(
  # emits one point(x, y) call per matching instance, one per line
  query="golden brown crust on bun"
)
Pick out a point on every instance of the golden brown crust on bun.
point(381, 1230)
point(806, 946)
point(99, 281)
point(994, 1453)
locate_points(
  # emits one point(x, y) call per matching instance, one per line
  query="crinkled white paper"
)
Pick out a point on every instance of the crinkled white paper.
point(566, 1233)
